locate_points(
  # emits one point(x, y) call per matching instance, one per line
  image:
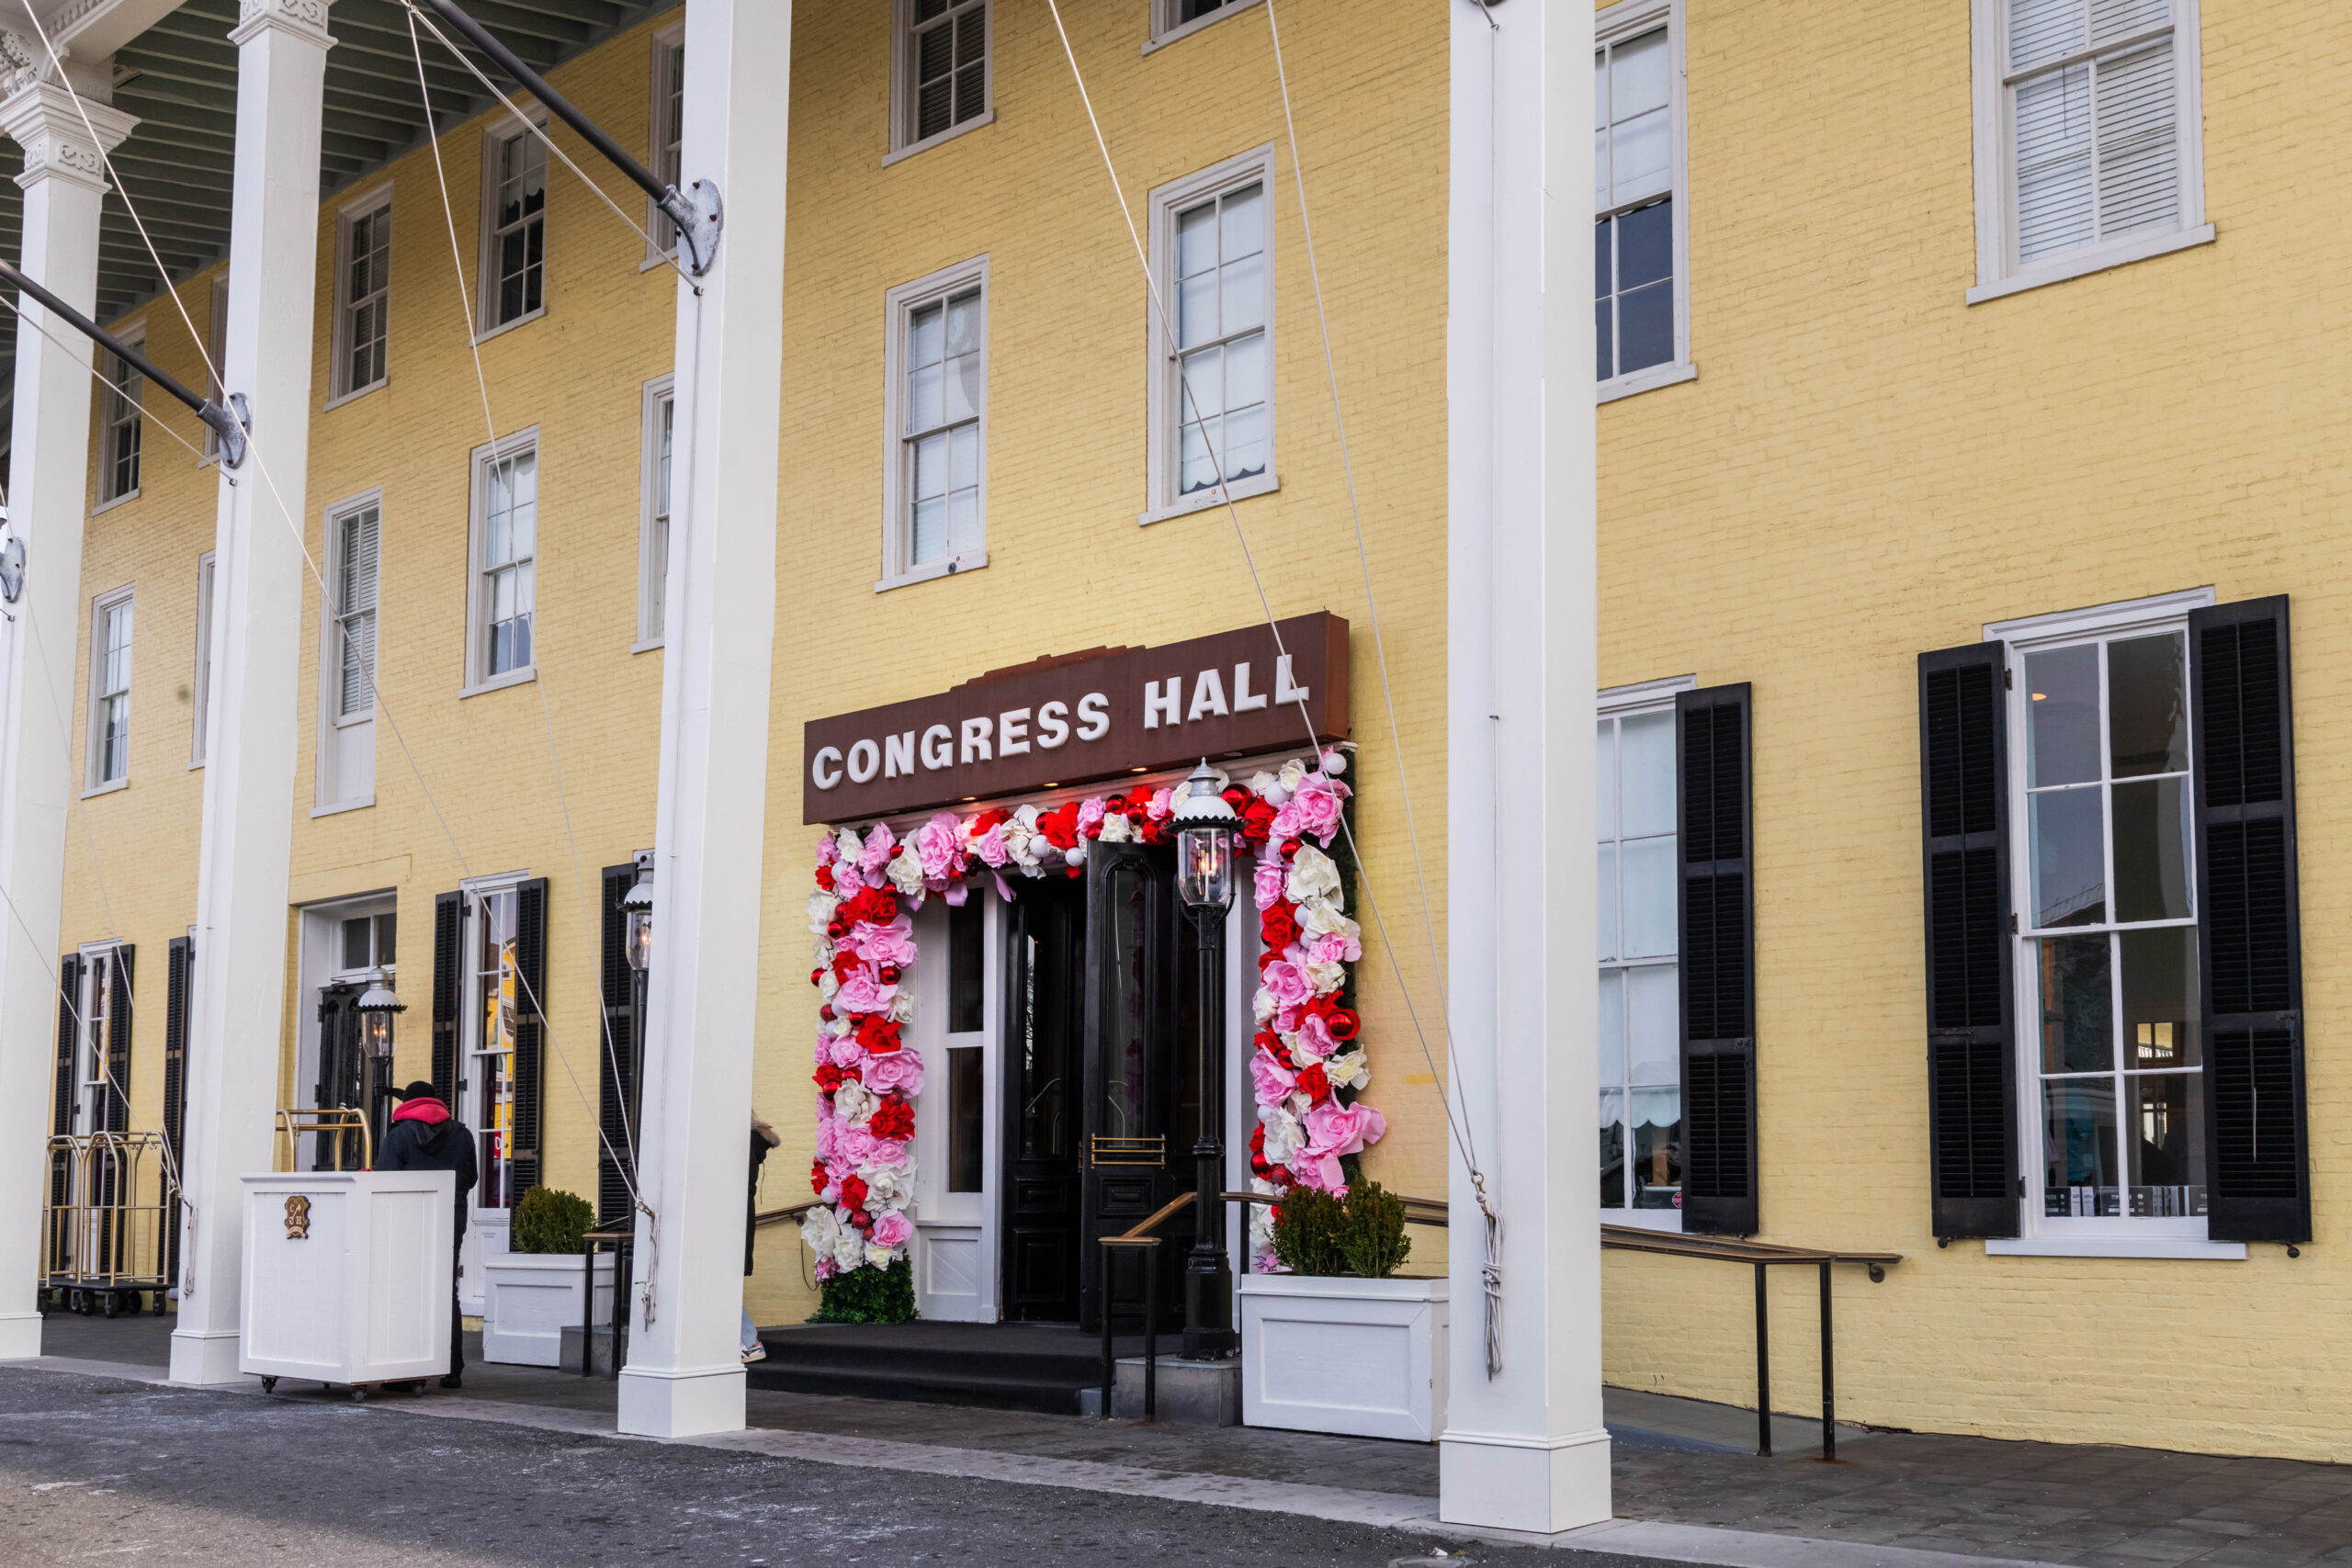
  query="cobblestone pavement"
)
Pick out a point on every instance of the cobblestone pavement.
point(101, 1469)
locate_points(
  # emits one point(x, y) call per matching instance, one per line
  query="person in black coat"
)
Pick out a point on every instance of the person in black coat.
point(425, 1136)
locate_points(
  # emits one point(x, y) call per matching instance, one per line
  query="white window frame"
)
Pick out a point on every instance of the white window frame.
point(1997, 272)
point(898, 543)
point(117, 412)
point(653, 561)
point(2040, 1235)
point(92, 1028)
point(94, 779)
point(1626, 21)
point(1163, 399)
point(661, 138)
point(904, 144)
point(1634, 701)
point(475, 892)
point(331, 622)
point(495, 136)
point(200, 719)
point(1165, 29)
point(478, 493)
point(342, 389)
point(216, 350)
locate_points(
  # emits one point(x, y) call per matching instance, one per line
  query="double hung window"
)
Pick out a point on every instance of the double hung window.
point(1211, 398)
point(1640, 298)
point(665, 135)
point(2089, 150)
point(1173, 19)
point(356, 535)
point(363, 292)
point(119, 428)
point(653, 530)
point(942, 71)
point(2108, 933)
point(505, 559)
point(493, 991)
point(1641, 1092)
point(936, 490)
point(514, 233)
point(201, 719)
point(109, 761)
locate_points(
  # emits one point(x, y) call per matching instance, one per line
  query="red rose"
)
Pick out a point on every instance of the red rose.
point(893, 1119)
point(825, 877)
point(878, 1033)
point(817, 1177)
point(1257, 1139)
point(1280, 925)
point(1257, 822)
point(853, 1193)
point(1315, 1082)
point(828, 1077)
point(1059, 825)
point(995, 815)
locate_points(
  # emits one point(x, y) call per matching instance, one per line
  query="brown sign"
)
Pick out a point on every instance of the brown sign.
point(1081, 716)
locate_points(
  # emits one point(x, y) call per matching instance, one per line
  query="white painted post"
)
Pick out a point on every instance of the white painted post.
point(48, 501)
point(233, 1038)
point(684, 1374)
point(1524, 1448)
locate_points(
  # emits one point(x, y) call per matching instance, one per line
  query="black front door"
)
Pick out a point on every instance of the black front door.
point(1045, 1039)
point(1142, 1091)
point(348, 1077)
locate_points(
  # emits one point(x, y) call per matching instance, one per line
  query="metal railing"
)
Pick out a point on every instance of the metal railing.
point(338, 1122)
point(621, 1242)
point(1141, 1239)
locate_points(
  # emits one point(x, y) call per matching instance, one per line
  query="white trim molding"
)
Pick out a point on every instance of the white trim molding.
point(900, 304)
point(1625, 20)
point(661, 140)
point(199, 720)
point(1165, 31)
point(652, 511)
point(2158, 609)
point(1641, 696)
point(341, 389)
point(2000, 269)
point(2116, 1247)
point(903, 141)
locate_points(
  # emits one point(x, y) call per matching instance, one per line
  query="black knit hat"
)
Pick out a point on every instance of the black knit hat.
point(420, 1090)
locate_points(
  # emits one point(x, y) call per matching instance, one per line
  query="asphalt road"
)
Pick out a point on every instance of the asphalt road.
point(92, 1469)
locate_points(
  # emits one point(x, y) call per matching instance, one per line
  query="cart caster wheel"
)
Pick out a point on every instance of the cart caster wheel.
point(159, 1304)
point(112, 1304)
point(269, 1385)
point(358, 1396)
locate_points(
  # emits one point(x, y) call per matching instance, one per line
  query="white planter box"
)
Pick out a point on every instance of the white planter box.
point(1365, 1357)
point(530, 1298)
point(347, 1275)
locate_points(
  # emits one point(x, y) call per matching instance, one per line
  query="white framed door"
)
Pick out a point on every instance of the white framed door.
point(958, 980)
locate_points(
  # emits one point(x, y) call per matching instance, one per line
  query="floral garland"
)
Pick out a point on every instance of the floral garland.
point(1306, 1067)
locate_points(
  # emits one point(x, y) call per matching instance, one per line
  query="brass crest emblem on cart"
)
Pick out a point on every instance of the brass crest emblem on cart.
point(298, 1217)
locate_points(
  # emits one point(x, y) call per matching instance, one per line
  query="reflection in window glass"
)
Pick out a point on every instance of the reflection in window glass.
point(1640, 1023)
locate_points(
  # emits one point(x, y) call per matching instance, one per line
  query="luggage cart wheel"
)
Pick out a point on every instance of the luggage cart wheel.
point(159, 1304)
point(269, 1385)
point(358, 1396)
point(111, 1303)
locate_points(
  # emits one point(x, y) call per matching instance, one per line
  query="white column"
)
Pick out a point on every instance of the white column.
point(259, 583)
point(1523, 1448)
point(684, 1375)
point(48, 500)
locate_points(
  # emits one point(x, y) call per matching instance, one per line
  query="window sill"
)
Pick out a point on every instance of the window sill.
point(646, 645)
point(1202, 501)
point(505, 327)
point(500, 682)
point(658, 258)
point(340, 806)
point(357, 393)
point(2116, 1247)
point(123, 782)
point(1666, 1219)
point(117, 501)
point(197, 766)
point(950, 134)
point(2082, 262)
point(970, 560)
point(1188, 28)
point(1646, 379)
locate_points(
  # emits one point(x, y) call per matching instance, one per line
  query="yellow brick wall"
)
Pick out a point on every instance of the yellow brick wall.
point(1867, 468)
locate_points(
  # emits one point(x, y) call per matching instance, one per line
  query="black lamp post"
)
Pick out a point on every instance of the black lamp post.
point(377, 1006)
point(1205, 824)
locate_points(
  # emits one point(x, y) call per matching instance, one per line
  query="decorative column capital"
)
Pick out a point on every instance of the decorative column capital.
point(304, 19)
point(44, 119)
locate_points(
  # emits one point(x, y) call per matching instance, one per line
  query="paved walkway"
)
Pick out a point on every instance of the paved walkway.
point(1685, 1489)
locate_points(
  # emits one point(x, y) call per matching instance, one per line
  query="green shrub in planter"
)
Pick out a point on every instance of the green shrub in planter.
point(1309, 1225)
point(549, 1219)
point(869, 1295)
point(1374, 1239)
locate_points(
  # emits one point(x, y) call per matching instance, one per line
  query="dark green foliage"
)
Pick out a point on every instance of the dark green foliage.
point(869, 1295)
point(1375, 1241)
point(549, 1219)
point(1309, 1231)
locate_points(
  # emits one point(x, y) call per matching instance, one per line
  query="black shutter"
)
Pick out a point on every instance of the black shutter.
point(531, 1029)
point(2249, 936)
point(61, 1164)
point(178, 973)
point(1716, 904)
point(1972, 1055)
point(616, 1087)
point(446, 926)
point(119, 1013)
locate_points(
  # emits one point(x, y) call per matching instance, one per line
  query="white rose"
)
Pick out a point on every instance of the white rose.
point(905, 872)
point(1284, 1136)
point(1027, 816)
point(902, 1005)
point(1262, 1006)
point(1261, 1230)
point(1348, 1070)
point(828, 984)
point(1115, 829)
point(820, 1231)
point(884, 1186)
point(1294, 772)
point(1264, 785)
point(1327, 977)
point(821, 905)
point(849, 1247)
point(879, 1256)
point(851, 846)
point(839, 1027)
point(1322, 916)
point(1312, 875)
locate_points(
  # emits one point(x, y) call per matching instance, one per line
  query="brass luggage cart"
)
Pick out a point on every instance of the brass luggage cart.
point(340, 1124)
point(107, 1227)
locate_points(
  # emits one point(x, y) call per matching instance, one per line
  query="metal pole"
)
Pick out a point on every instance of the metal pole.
point(1763, 1374)
point(1110, 1363)
point(1828, 1380)
point(222, 423)
point(1151, 1330)
point(588, 1310)
point(1208, 1278)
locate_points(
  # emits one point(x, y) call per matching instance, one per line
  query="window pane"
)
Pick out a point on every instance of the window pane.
point(1195, 472)
point(1196, 240)
point(964, 460)
point(2043, 29)
point(1637, 75)
point(964, 322)
point(1653, 1025)
point(2069, 859)
point(1657, 1148)
point(387, 934)
point(925, 399)
point(1639, 152)
point(1602, 262)
point(2079, 1148)
point(931, 531)
point(1649, 898)
point(930, 467)
point(963, 387)
point(2061, 736)
point(2167, 1143)
point(965, 1100)
point(355, 943)
point(1201, 390)
point(1244, 294)
point(1242, 226)
point(1648, 771)
point(2139, 179)
point(2152, 850)
point(963, 521)
point(965, 967)
point(2078, 1006)
point(1604, 751)
point(2161, 1016)
point(1245, 371)
point(926, 336)
point(1245, 443)
point(2147, 705)
point(2054, 163)
point(1612, 1150)
point(1645, 327)
point(1608, 901)
point(1604, 316)
point(1645, 244)
point(1613, 1026)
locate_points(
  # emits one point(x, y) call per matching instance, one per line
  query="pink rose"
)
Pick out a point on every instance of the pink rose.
point(991, 847)
point(892, 1229)
point(1314, 1035)
point(827, 1132)
point(828, 851)
point(1320, 1171)
point(1316, 808)
point(1332, 947)
point(1336, 1129)
point(1163, 803)
point(1282, 980)
point(1267, 882)
point(846, 1052)
point(863, 993)
point(1273, 1080)
point(935, 842)
point(896, 1070)
point(887, 1151)
point(880, 845)
point(1090, 816)
point(893, 944)
point(854, 1147)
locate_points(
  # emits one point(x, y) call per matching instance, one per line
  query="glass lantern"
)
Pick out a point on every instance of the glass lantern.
point(377, 1006)
point(636, 918)
point(1204, 822)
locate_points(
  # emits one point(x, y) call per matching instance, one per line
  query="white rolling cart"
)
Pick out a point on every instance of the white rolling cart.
point(347, 1277)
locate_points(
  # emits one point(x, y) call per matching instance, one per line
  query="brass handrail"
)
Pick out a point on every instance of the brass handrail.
point(336, 1122)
